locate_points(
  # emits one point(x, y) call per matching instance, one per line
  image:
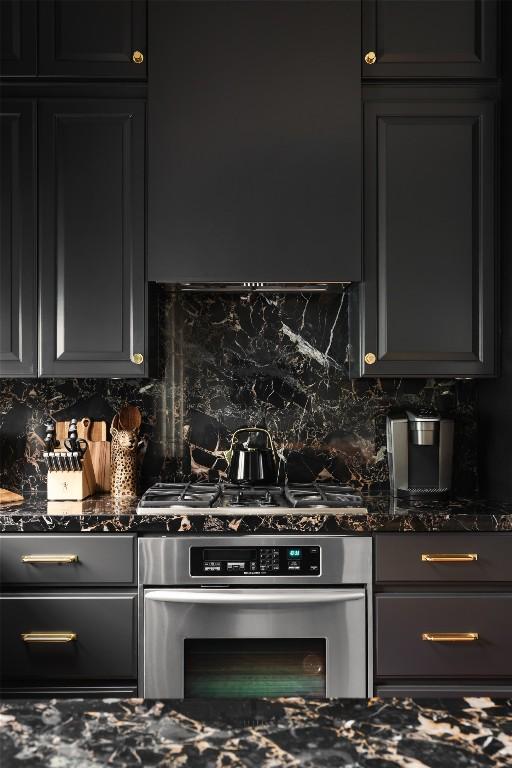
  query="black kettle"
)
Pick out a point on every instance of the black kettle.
point(249, 462)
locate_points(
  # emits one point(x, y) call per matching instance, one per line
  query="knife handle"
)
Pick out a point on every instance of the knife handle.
point(49, 439)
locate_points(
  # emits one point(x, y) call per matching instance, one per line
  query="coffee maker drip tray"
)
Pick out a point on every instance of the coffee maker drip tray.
point(424, 494)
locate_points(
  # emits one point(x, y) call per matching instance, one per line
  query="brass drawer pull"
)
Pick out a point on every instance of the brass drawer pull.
point(49, 559)
point(460, 557)
point(48, 637)
point(450, 637)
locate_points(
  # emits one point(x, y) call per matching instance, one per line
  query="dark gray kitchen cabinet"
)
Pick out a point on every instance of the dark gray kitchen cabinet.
point(412, 642)
point(254, 142)
point(92, 38)
point(18, 32)
point(92, 560)
point(427, 304)
point(443, 558)
point(91, 238)
point(65, 638)
point(430, 38)
point(442, 614)
point(18, 255)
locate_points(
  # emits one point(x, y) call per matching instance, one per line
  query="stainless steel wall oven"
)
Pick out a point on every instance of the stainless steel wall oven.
point(255, 616)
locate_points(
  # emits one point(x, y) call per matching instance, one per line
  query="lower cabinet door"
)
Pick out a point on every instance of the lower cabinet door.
point(50, 638)
point(444, 636)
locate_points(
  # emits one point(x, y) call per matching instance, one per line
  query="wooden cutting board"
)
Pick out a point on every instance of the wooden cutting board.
point(9, 497)
point(100, 457)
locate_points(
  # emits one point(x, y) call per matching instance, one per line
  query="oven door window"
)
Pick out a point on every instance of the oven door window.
point(241, 668)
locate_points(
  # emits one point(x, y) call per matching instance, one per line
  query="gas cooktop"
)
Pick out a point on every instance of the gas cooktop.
point(292, 498)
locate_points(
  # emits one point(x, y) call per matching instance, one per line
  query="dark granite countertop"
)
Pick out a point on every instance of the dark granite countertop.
point(105, 514)
point(474, 733)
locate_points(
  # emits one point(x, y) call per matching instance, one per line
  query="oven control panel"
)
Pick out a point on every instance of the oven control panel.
point(255, 561)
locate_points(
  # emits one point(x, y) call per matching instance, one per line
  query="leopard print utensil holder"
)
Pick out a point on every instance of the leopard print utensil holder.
point(123, 461)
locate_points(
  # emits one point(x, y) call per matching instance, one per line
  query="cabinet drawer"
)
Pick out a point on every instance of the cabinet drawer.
point(402, 620)
point(96, 637)
point(443, 557)
point(83, 559)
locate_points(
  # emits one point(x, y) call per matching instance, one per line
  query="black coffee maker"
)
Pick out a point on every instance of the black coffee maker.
point(420, 454)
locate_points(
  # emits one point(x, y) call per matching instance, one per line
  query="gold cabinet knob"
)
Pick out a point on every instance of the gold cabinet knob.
point(370, 358)
point(137, 57)
point(137, 358)
point(370, 57)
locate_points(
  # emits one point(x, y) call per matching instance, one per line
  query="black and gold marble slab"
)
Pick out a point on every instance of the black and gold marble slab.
point(273, 733)
point(105, 514)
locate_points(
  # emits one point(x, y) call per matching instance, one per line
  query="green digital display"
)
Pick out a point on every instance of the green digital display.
point(294, 553)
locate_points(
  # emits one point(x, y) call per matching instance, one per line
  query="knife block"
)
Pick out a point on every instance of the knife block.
point(99, 447)
point(69, 485)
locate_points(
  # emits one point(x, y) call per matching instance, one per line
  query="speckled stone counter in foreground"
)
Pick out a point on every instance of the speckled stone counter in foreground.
point(105, 514)
point(274, 733)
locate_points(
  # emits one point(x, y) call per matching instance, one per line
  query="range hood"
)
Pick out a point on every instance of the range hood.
point(254, 145)
point(262, 287)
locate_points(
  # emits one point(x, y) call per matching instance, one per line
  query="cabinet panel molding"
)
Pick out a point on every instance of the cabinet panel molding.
point(92, 38)
point(18, 332)
point(18, 31)
point(430, 38)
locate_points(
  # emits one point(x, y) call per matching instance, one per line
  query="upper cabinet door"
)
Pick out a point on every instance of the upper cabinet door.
point(18, 30)
point(428, 300)
point(91, 230)
point(254, 141)
point(92, 38)
point(17, 239)
point(429, 38)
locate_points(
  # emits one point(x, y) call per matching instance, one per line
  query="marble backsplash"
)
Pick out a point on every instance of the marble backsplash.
point(222, 361)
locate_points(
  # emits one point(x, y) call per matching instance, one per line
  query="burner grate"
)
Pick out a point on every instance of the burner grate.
point(179, 495)
point(171, 496)
point(253, 496)
point(321, 495)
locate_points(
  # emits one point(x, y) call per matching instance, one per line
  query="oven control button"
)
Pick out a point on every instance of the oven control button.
point(293, 565)
point(236, 567)
point(210, 568)
point(314, 567)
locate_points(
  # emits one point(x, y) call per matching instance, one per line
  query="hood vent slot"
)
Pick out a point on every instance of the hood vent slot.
point(262, 287)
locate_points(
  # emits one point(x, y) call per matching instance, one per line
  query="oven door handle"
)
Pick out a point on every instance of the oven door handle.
point(256, 597)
